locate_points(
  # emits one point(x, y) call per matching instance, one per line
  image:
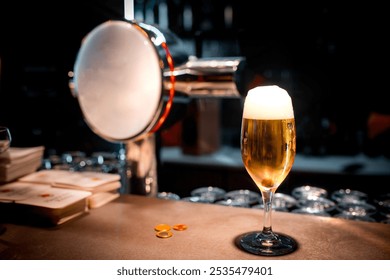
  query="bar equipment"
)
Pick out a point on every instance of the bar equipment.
point(126, 83)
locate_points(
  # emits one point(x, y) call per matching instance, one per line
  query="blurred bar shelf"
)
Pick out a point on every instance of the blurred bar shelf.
point(230, 157)
point(225, 169)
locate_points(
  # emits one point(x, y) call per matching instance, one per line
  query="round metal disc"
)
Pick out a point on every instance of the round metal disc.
point(118, 80)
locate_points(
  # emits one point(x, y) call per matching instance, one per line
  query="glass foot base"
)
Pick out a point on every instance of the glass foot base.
point(274, 244)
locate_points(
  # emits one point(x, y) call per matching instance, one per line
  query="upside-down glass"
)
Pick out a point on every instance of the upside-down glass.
point(5, 143)
point(5, 138)
point(268, 147)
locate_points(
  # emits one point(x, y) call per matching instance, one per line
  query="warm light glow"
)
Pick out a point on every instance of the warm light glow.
point(269, 103)
point(171, 90)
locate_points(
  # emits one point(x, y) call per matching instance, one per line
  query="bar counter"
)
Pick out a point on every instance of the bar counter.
point(124, 230)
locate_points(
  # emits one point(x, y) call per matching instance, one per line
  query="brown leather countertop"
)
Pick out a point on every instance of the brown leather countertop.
point(124, 229)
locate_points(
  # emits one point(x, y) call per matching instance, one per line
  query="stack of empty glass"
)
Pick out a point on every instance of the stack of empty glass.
point(168, 196)
point(107, 162)
point(353, 205)
point(383, 205)
point(313, 200)
point(240, 198)
point(207, 194)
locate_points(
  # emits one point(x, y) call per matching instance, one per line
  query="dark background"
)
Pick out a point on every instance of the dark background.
point(332, 59)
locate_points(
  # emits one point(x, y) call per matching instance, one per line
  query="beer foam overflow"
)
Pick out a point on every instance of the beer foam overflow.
point(269, 103)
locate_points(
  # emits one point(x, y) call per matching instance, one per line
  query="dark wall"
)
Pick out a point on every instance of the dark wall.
point(39, 43)
point(331, 59)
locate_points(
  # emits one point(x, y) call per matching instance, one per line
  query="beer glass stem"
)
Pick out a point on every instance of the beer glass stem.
point(267, 197)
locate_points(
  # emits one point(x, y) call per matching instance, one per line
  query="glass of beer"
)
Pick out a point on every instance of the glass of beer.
point(268, 147)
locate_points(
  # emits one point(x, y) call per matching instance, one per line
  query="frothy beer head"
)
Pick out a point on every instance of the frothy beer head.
point(268, 103)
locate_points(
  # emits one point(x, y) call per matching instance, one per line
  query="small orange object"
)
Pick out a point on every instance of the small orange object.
point(162, 227)
point(180, 227)
point(164, 234)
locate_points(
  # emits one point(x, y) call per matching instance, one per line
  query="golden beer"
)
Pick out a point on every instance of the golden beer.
point(268, 150)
